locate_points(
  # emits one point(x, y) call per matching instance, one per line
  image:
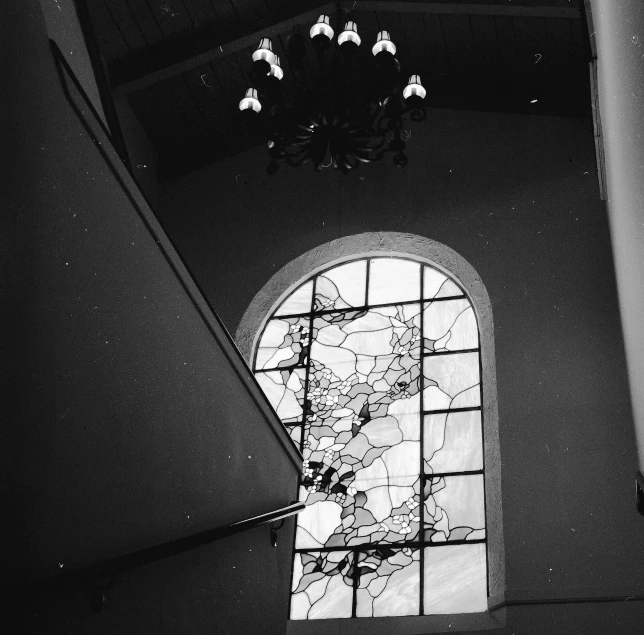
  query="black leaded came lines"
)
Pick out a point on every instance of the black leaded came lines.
point(363, 428)
point(454, 508)
point(460, 296)
point(394, 546)
point(285, 390)
point(437, 353)
point(448, 410)
point(430, 475)
point(358, 385)
point(284, 343)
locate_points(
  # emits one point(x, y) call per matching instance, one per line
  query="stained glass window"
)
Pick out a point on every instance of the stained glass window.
point(374, 367)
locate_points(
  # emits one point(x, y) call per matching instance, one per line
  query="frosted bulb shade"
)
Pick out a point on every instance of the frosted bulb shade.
point(384, 43)
point(414, 88)
point(250, 101)
point(350, 34)
point(264, 51)
point(322, 27)
point(276, 69)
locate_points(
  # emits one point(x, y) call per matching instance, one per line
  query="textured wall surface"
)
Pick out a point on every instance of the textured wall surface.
point(128, 417)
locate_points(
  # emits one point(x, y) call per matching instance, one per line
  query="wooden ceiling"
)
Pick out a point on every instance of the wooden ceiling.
point(183, 65)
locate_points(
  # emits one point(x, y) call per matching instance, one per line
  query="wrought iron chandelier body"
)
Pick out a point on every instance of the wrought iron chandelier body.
point(339, 116)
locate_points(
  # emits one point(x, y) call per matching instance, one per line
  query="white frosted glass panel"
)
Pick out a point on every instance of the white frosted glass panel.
point(453, 442)
point(389, 586)
point(272, 386)
point(455, 579)
point(297, 571)
point(321, 587)
point(454, 508)
point(432, 282)
point(402, 463)
point(371, 321)
point(467, 398)
point(405, 412)
point(339, 360)
point(343, 286)
point(448, 289)
point(274, 333)
point(370, 342)
point(286, 398)
point(298, 302)
point(449, 325)
point(446, 377)
point(393, 280)
point(337, 601)
point(296, 435)
point(316, 523)
point(282, 343)
point(331, 335)
point(464, 333)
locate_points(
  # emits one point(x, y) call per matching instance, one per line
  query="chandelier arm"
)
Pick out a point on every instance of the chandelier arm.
point(297, 163)
point(364, 159)
point(380, 142)
point(307, 156)
point(298, 147)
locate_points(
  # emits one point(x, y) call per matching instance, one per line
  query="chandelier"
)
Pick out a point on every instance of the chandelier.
point(342, 114)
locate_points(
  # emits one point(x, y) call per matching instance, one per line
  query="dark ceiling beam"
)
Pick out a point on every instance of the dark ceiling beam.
point(519, 11)
point(121, 89)
point(239, 44)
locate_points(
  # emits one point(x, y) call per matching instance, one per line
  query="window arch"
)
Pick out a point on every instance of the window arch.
point(389, 337)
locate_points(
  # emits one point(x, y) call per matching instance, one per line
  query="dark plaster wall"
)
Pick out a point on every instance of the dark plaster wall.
point(232, 586)
point(127, 420)
point(517, 196)
point(64, 28)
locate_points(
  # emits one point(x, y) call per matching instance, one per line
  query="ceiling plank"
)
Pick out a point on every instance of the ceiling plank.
point(486, 41)
point(171, 17)
point(505, 34)
point(458, 39)
point(110, 38)
point(123, 19)
point(142, 16)
point(419, 43)
point(437, 45)
point(199, 11)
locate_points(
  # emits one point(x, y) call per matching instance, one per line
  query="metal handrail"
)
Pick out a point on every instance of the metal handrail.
point(100, 576)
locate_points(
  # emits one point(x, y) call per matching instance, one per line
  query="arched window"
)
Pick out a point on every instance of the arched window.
point(373, 361)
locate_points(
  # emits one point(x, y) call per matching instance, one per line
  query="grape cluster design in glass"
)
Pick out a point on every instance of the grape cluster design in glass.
point(374, 367)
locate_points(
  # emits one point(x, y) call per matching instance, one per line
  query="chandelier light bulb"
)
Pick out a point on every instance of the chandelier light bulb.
point(264, 51)
point(350, 34)
point(322, 27)
point(276, 69)
point(250, 101)
point(384, 43)
point(414, 88)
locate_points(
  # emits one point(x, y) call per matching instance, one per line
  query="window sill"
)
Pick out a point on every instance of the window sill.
point(407, 625)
